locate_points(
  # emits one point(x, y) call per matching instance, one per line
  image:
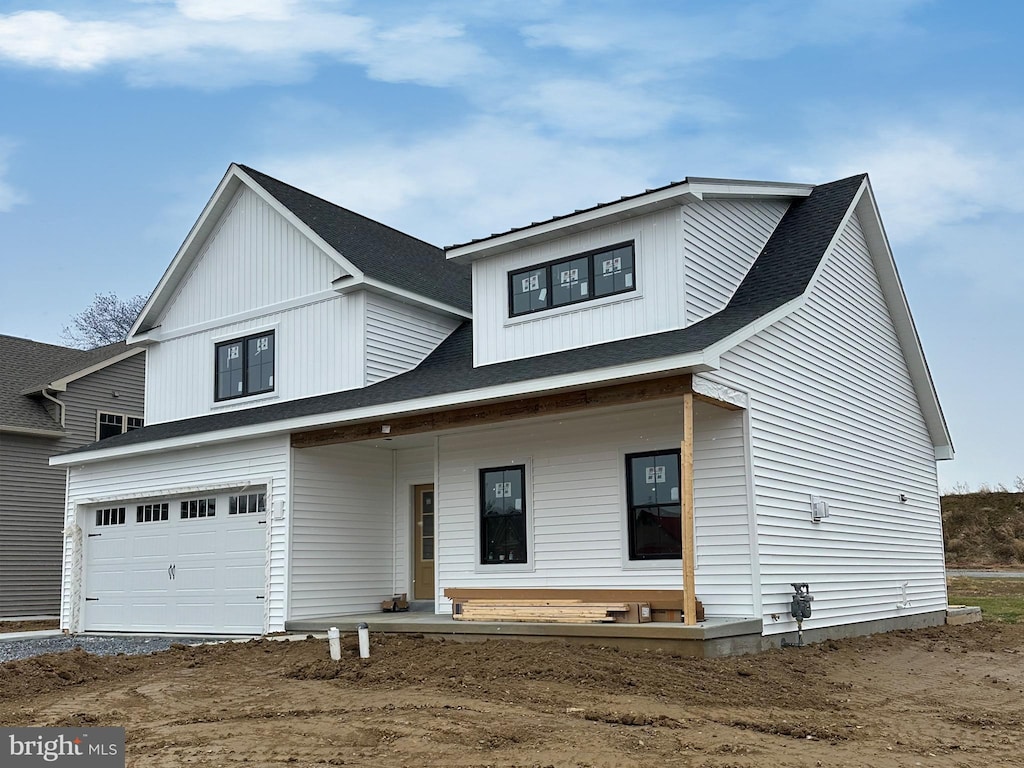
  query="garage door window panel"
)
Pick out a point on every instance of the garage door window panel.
point(110, 516)
point(197, 508)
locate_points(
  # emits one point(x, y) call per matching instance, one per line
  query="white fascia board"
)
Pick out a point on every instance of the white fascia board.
point(748, 190)
point(61, 384)
point(32, 432)
point(678, 194)
point(709, 387)
point(695, 362)
point(197, 236)
point(903, 321)
point(349, 284)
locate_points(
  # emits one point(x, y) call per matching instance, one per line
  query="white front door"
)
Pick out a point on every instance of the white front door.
point(181, 565)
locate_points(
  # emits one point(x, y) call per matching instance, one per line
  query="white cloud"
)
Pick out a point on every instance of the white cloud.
point(9, 196)
point(238, 42)
point(484, 177)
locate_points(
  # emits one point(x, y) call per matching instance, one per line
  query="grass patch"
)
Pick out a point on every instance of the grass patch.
point(999, 599)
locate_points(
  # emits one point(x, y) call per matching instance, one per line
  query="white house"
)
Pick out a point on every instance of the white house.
point(670, 389)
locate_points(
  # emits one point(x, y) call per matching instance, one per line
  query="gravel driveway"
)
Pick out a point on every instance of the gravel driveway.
point(101, 645)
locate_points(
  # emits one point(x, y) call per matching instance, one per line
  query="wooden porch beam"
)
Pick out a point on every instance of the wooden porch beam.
point(506, 410)
point(687, 528)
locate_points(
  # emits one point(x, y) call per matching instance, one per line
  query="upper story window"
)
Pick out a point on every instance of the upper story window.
point(582, 277)
point(110, 424)
point(245, 366)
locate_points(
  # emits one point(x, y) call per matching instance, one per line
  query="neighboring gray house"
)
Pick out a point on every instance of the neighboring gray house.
point(52, 399)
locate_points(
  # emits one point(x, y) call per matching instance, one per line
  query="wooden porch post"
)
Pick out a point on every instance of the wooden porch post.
point(686, 524)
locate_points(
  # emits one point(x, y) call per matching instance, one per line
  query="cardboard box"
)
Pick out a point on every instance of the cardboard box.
point(396, 603)
point(637, 613)
point(667, 614)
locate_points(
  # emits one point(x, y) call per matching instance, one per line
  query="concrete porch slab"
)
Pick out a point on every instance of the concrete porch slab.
point(713, 637)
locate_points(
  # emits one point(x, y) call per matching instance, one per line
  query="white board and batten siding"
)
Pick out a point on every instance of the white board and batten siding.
point(342, 549)
point(576, 499)
point(656, 304)
point(834, 413)
point(180, 371)
point(399, 336)
point(174, 475)
point(722, 240)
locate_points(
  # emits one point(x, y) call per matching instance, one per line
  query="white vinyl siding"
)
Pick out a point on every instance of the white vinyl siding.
point(189, 472)
point(834, 413)
point(722, 240)
point(254, 258)
point(576, 490)
point(342, 548)
point(399, 336)
point(318, 349)
point(656, 305)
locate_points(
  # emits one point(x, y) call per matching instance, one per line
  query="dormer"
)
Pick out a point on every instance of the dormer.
point(657, 261)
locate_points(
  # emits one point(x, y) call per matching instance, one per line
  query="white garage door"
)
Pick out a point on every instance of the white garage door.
point(183, 565)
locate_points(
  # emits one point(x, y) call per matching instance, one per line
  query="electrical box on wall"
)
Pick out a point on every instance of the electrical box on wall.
point(819, 509)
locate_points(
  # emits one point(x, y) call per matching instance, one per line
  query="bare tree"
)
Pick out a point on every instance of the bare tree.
point(106, 320)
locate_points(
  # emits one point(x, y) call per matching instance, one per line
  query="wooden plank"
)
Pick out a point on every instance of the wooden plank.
point(493, 413)
point(658, 598)
point(689, 550)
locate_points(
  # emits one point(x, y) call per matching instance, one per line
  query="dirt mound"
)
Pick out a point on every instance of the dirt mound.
point(984, 529)
point(28, 626)
point(54, 671)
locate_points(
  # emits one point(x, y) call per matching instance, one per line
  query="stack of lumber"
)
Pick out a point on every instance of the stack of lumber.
point(534, 610)
point(666, 605)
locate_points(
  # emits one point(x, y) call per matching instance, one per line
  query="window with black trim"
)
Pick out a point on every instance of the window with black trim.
point(585, 276)
point(244, 366)
point(247, 504)
point(110, 424)
point(503, 515)
point(194, 508)
point(110, 516)
point(654, 513)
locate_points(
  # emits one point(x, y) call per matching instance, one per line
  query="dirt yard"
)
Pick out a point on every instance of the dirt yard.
point(27, 626)
point(949, 696)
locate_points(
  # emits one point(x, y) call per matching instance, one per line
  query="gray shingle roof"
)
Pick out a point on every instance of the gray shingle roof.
point(26, 366)
point(381, 252)
point(781, 273)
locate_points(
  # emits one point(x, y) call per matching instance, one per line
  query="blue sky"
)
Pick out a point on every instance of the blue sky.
point(454, 120)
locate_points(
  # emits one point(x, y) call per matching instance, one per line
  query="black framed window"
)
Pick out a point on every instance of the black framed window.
point(503, 515)
point(584, 276)
point(654, 513)
point(151, 513)
point(245, 366)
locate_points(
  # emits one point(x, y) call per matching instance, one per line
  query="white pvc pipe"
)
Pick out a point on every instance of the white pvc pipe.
point(334, 638)
point(364, 641)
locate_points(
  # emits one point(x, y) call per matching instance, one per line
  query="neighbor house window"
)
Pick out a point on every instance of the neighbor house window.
point(582, 277)
point(245, 366)
point(110, 424)
point(653, 509)
point(503, 515)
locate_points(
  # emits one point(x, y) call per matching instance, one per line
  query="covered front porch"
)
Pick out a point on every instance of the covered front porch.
point(412, 505)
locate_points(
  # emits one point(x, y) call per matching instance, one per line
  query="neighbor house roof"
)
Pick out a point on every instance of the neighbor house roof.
point(781, 273)
point(29, 367)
